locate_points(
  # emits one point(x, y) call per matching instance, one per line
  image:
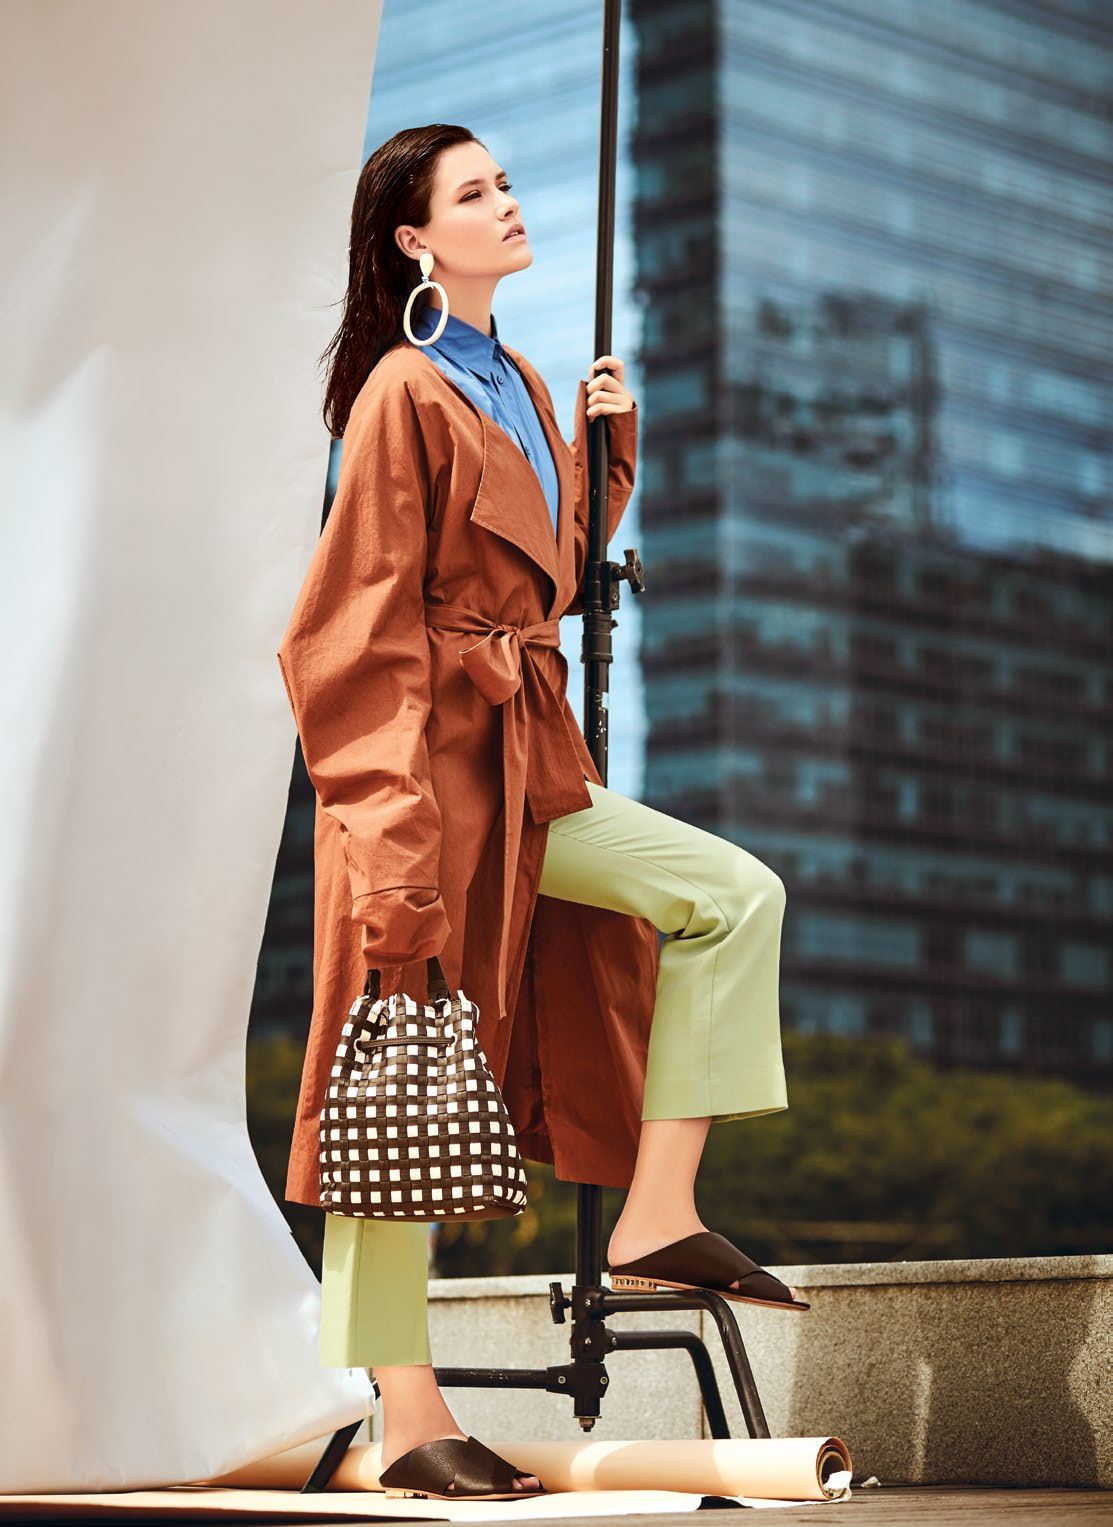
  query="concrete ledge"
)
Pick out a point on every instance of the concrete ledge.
point(950, 1372)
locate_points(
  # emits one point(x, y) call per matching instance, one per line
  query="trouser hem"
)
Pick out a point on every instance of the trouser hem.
point(723, 1099)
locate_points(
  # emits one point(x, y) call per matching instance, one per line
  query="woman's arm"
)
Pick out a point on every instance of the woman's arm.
point(622, 436)
point(355, 661)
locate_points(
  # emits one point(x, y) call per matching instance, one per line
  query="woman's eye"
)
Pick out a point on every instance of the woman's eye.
point(473, 194)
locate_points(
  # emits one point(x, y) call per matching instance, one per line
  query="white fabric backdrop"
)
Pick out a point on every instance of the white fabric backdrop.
point(177, 181)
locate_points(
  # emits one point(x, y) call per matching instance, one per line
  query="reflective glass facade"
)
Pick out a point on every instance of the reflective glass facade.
point(872, 242)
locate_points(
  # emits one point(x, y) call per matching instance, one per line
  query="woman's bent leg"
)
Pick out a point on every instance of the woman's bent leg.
point(374, 1292)
point(715, 1042)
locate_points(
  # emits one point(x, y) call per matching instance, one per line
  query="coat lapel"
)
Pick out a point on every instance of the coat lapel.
point(563, 460)
point(510, 501)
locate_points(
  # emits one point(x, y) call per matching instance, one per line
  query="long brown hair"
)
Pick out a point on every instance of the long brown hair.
point(395, 186)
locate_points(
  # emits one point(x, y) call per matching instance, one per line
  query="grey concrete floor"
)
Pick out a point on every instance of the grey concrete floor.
point(932, 1505)
point(884, 1506)
point(900, 1506)
point(910, 1506)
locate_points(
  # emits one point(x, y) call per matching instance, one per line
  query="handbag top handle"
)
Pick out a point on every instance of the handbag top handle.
point(437, 985)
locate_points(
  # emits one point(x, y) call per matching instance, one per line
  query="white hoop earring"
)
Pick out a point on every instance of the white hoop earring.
point(424, 285)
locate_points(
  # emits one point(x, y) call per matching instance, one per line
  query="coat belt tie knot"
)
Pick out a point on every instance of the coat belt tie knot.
point(494, 664)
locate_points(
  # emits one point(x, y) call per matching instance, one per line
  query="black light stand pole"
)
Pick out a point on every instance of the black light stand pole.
point(600, 589)
point(601, 578)
point(590, 1301)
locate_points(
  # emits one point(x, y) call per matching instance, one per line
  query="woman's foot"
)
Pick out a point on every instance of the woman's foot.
point(521, 1481)
point(627, 1245)
point(394, 1444)
point(414, 1411)
point(660, 1207)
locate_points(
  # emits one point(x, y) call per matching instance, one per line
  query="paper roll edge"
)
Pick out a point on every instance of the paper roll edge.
point(833, 1458)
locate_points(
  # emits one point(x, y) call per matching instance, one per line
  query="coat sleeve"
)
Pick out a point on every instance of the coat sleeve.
point(622, 436)
point(356, 665)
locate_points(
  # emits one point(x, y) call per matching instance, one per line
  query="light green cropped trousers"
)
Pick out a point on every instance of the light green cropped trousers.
point(714, 1044)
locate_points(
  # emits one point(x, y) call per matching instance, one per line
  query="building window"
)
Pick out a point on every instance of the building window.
point(918, 1024)
point(994, 954)
point(1084, 964)
point(1010, 1036)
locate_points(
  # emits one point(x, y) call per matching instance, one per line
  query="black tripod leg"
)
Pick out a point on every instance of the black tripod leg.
point(330, 1458)
point(709, 1390)
point(739, 1363)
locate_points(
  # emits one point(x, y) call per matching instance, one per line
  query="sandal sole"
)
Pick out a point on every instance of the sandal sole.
point(649, 1285)
point(399, 1494)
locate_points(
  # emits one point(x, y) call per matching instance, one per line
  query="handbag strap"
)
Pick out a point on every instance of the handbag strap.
point(436, 983)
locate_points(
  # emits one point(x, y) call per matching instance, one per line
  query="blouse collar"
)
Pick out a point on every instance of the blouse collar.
point(462, 342)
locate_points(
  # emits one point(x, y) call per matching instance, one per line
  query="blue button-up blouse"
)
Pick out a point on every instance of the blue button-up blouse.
point(479, 366)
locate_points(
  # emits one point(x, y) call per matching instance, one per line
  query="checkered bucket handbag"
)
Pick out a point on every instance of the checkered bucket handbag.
point(414, 1126)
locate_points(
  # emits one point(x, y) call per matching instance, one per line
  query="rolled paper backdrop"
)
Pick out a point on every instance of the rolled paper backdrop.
point(765, 1468)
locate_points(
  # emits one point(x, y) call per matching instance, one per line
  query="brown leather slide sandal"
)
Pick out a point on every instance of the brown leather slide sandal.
point(706, 1261)
point(473, 1470)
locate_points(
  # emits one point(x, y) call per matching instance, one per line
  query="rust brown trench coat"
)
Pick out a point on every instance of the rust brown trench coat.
point(423, 668)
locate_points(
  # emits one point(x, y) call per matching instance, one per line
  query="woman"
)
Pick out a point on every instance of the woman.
point(460, 813)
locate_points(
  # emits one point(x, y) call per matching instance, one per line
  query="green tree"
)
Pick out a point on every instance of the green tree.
point(880, 1156)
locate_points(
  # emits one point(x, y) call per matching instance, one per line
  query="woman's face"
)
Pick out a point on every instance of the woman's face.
point(471, 212)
